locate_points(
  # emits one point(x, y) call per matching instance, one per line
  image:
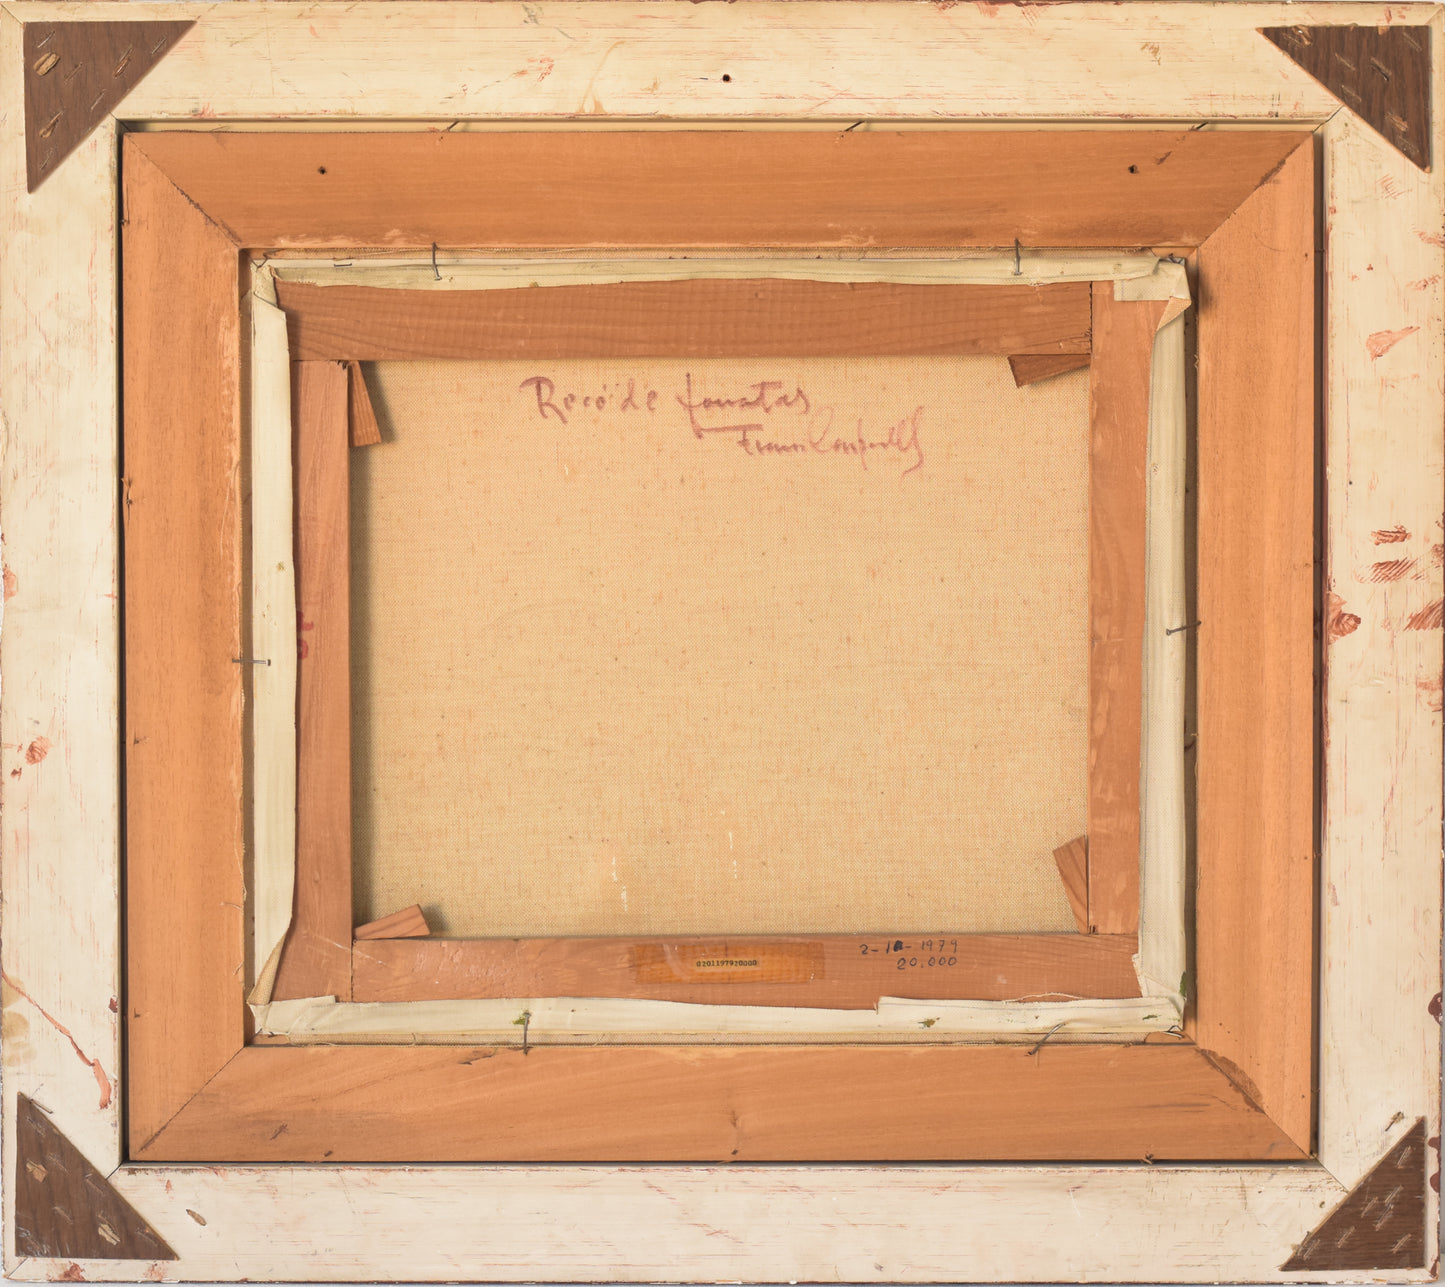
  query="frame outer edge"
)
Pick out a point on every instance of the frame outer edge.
point(1305, 1189)
point(709, 1224)
point(1382, 757)
point(589, 59)
point(59, 650)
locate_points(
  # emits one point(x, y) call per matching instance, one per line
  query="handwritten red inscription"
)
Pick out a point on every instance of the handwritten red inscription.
point(549, 404)
point(769, 418)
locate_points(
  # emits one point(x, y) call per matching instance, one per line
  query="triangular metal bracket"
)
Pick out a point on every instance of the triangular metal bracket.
point(1381, 1225)
point(64, 1207)
point(75, 72)
point(1382, 74)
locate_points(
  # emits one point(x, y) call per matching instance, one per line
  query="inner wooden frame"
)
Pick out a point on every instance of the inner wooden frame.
point(706, 318)
point(1239, 1086)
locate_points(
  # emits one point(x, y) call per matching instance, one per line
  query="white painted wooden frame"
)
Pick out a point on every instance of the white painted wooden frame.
point(330, 65)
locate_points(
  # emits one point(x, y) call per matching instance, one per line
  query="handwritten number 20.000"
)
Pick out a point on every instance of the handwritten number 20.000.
point(901, 950)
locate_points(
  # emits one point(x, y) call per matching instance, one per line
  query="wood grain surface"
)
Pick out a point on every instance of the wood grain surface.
point(1073, 863)
point(317, 957)
point(75, 72)
point(1381, 1225)
point(960, 1103)
point(721, 188)
point(365, 432)
point(986, 967)
point(1031, 368)
point(410, 922)
point(698, 318)
point(184, 691)
point(1119, 381)
point(1255, 835)
point(1182, 1096)
point(1382, 73)
point(64, 1207)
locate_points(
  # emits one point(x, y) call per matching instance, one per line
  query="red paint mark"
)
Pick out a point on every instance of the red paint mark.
point(1391, 535)
point(1431, 239)
point(1339, 623)
point(37, 750)
point(114, 1006)
point(12, 584)
point(303, 649)
point(72, 1274)
point(1390, 187)
point(1381, 342)
point(154, 1274)
point(1430, 618)
point(1392, 570)
point(101, 1080)
point(1437, 554)
point(540, 67)
point(1431, 689)
point(1435, 1007)
point(1424, 283)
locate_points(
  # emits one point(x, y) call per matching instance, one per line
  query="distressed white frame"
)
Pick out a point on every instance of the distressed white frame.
point(611, 63)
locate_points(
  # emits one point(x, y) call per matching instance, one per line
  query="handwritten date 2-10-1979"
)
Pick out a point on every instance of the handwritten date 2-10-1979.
point(768, 419)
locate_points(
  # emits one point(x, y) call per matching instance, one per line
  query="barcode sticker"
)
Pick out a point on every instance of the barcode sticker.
point(725, 962)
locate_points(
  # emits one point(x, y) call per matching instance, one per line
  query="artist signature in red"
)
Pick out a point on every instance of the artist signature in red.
point(901, 436)
point(768, 396)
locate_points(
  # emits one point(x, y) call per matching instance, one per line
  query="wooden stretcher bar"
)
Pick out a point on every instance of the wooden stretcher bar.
point(707, 318)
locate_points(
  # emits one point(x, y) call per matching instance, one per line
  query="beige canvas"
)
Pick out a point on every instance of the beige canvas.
point(719, 647)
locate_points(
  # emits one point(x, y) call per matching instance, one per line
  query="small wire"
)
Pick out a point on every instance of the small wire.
point(1040, 1044)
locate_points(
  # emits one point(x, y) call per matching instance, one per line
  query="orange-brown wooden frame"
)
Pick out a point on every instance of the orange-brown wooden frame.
point(1239, 1088)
